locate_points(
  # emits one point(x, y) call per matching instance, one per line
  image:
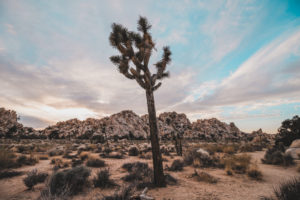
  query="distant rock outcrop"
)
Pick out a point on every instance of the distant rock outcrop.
point(169, 122)
point(214, 130)
point(128, 125)
point(11, 128)
point(125, 124)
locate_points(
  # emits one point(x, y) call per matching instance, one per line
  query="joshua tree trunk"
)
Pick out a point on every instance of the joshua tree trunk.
point(159, 178)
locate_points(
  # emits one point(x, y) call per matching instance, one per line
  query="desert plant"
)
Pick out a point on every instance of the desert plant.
point(133, 151)
point(43, 157)
point(124, 193)
point(287, 190)
point(7, 159)
point(205, 177)
point(138, 165)
point(289, 131)
point(55, 152)
point(123, 40)
point(103, 180)
point(95, 162)
point(275, 156)
point(27, 160)
point(200, 158)
point(254, 173)
point(237, 163)
point(76, 162)
point(84, 155)
point(177, 165)
point(9, 174)
point(69, 181)
point(139, 173)
point(33, 178)
point(115, 155)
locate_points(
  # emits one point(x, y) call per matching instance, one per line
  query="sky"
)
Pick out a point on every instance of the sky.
point(238, 61)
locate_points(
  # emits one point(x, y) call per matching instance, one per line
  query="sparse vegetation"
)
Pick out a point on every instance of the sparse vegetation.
point(33, 178)
point(133, 151)
point(124, 193)
point(7, 159)
point(289, 131)
point(237, 163)
point(254, 172)
point(9, 174)
point(103, 180)
point(276, 156)
point(68, 182)
point(200, 158)
point(177, 165)
point(205, 177)
point(139, 173)
point(27, 160)
point(288, 190)
point(95, 162)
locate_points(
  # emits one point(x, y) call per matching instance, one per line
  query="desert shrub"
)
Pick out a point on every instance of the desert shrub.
point(103, 180)
point(254, 172)
point(69, 181)
point(27, 160)
point(95, 162)
point(124, 193)
point(177, 165)
point(170, 180)
point(115, 155)
point(147, 156)
point(59, 163)
point(229, 150)
point(67, 154)
point(205, 177)
point(139, 173)
point(275, 156)
point(133, 151)
point(84, 155)
point(9, 174)
point(289, 131)
point(138, 165)
point(55, 152)
point(217, 148)
point(33, 178)
point(7, 159)
point(238, 163)
point(200, 158)
point(43, 157)
point(288, 190)
point(76, 162)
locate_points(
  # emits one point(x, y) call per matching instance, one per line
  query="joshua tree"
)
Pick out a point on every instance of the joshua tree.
point(137, 47)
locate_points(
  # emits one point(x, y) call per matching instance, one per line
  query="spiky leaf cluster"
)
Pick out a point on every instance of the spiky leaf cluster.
point(136, 48)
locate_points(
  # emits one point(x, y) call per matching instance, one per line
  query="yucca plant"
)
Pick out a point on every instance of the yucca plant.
point(136, 48)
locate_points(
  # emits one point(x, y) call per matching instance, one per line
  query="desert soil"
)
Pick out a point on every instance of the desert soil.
point(237, 187)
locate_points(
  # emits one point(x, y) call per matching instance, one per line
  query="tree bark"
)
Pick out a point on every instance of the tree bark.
point(159, 178)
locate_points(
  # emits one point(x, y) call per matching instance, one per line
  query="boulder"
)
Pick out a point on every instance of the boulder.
point(294, 149)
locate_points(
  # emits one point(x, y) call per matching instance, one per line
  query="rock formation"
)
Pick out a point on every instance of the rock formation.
point(11, 128)
point(127, 124)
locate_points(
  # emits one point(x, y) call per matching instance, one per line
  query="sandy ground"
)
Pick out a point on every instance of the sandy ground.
point(228, 187)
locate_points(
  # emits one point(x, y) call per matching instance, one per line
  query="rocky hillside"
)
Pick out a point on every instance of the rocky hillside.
point(11, 128)
point(127, 124)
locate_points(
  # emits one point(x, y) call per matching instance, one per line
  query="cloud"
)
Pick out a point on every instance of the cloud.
point(82, 88)
point(227, 25)
point(263, 78)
